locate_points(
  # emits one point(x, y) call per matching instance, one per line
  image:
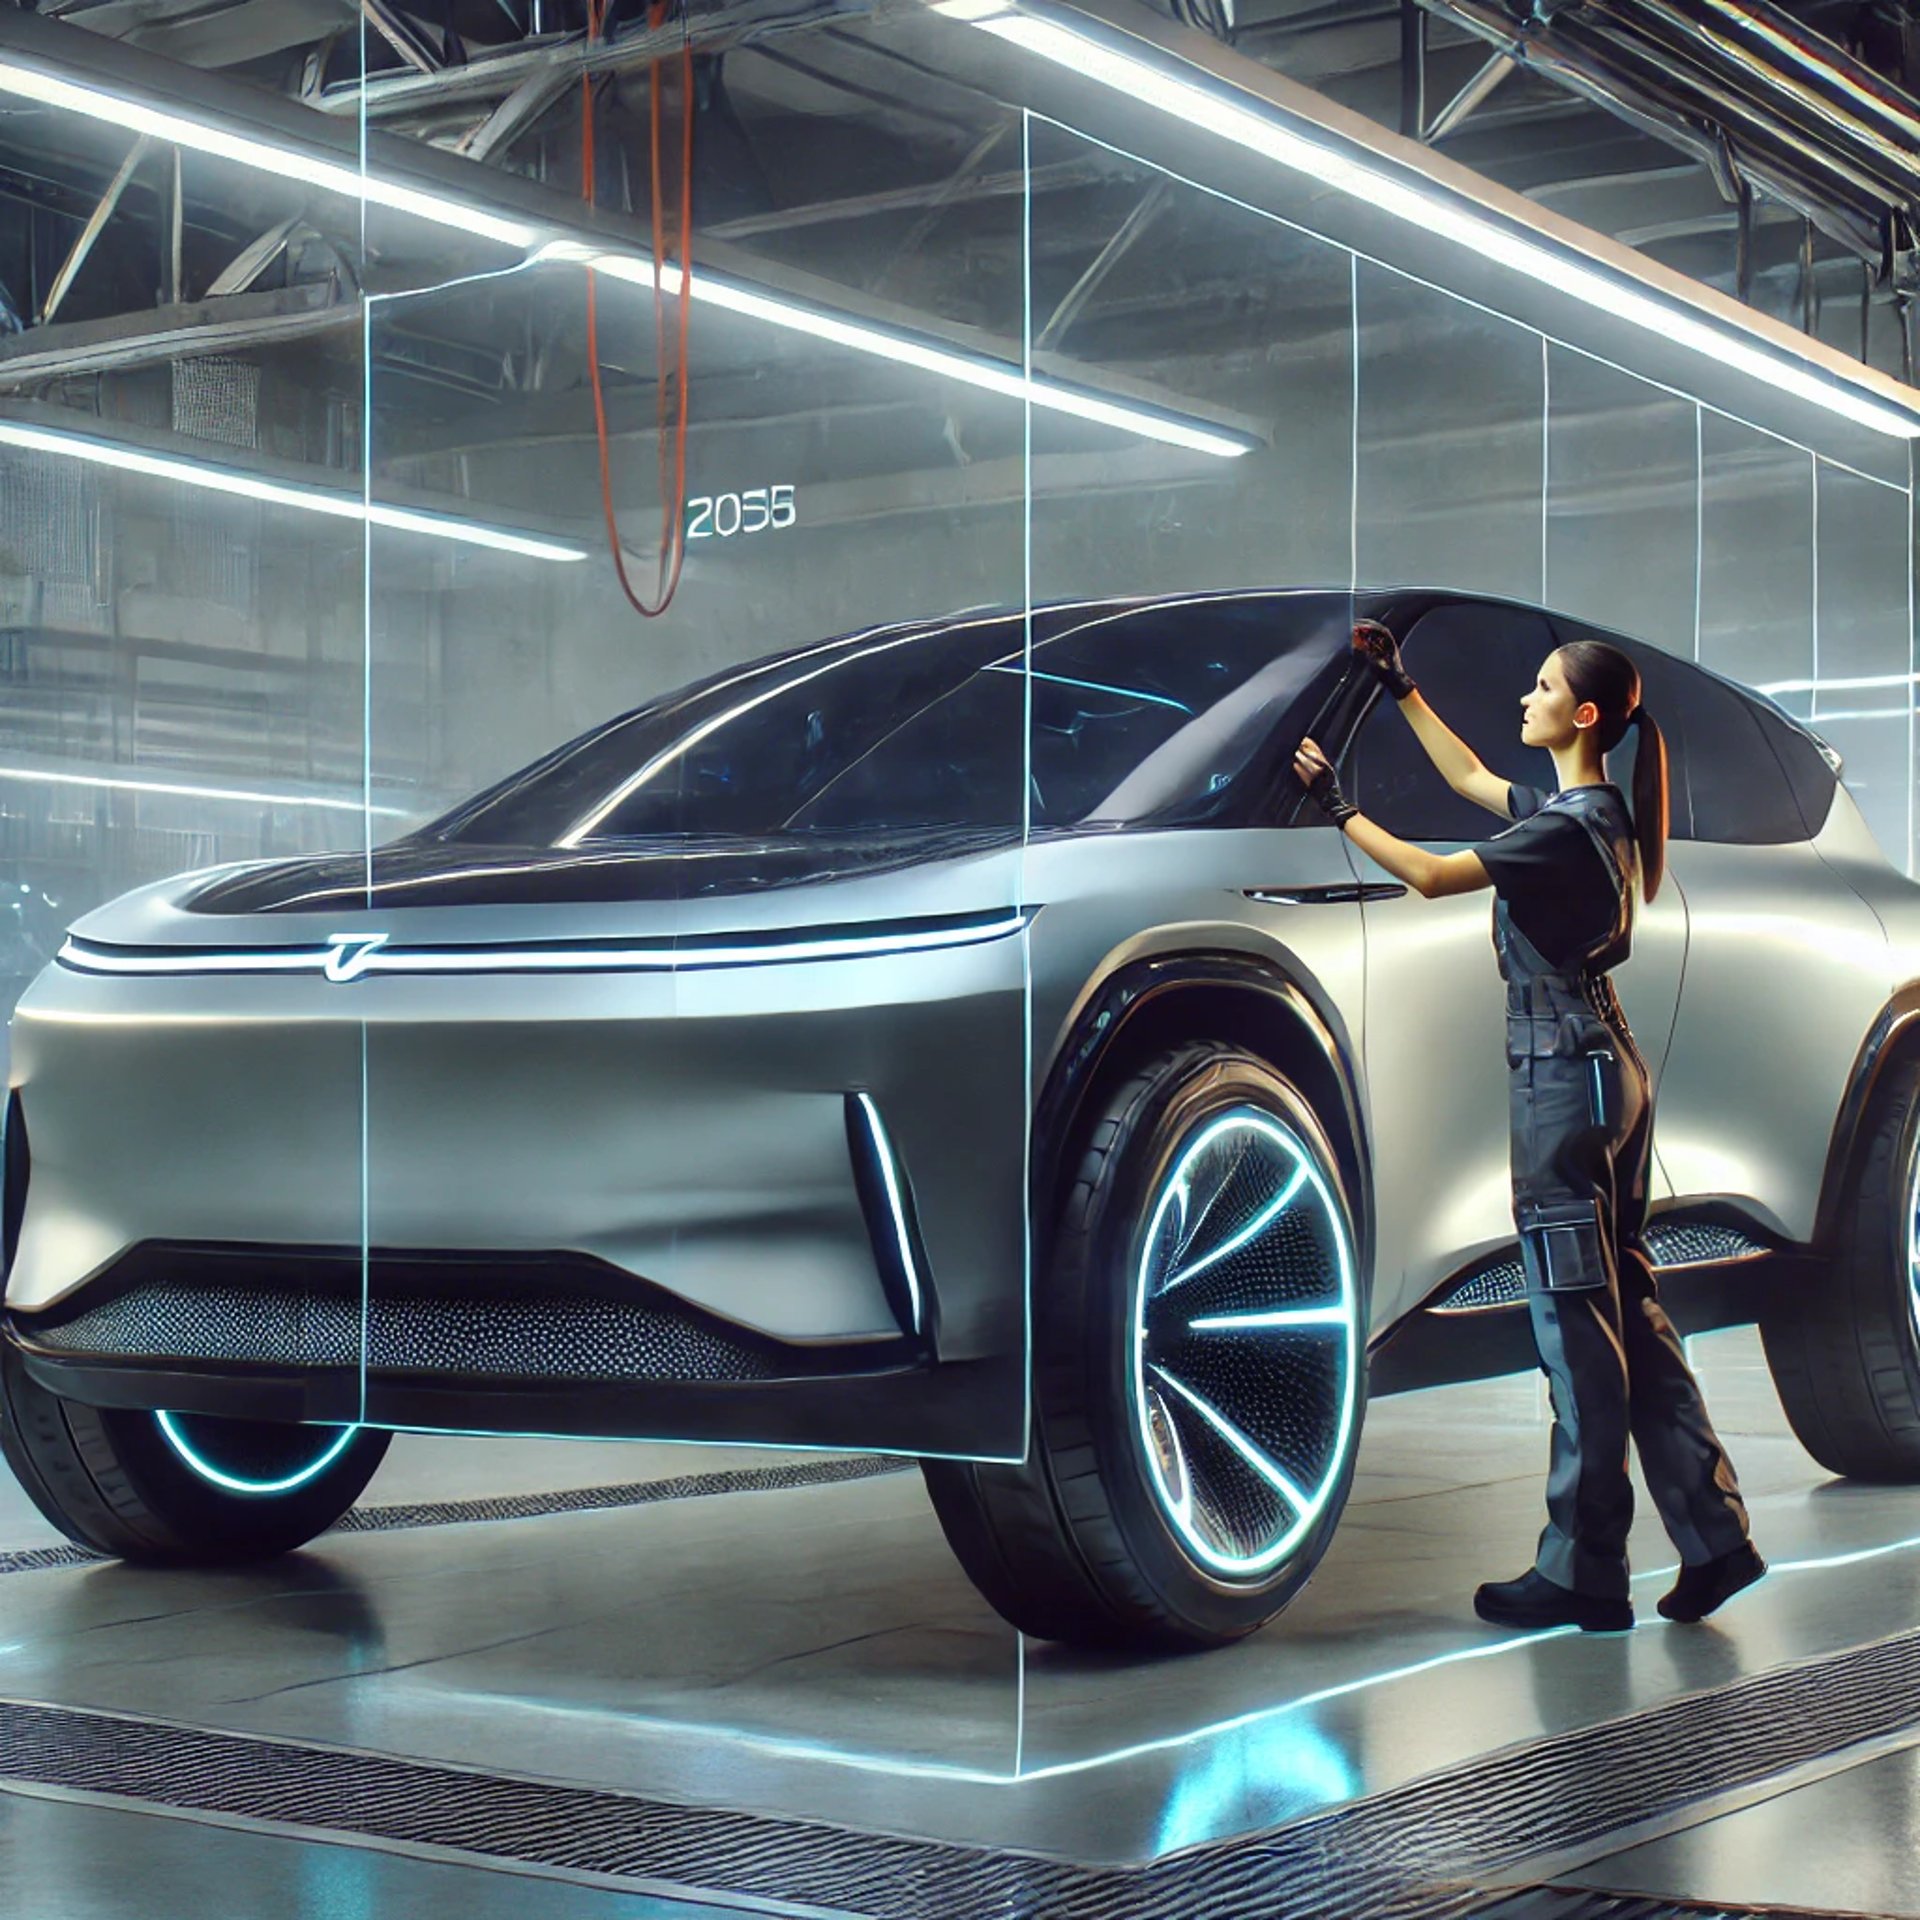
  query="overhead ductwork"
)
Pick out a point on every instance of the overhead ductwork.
point(1764, 103)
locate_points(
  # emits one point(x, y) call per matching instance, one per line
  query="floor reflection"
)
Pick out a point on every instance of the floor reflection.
point(818, 1653)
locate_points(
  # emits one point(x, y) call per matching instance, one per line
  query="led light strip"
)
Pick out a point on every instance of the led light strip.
point(341, 506)
point(250, 796)
point(351, 956)
point(883, 1152)
point(889, 344)
point(234, 1483)
point(307, 167)
point(1208, 107)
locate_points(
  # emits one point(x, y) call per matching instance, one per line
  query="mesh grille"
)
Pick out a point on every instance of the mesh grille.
point(539, 1337)
point(1684, 1243)
point(216, 397)
point(47, 508)
point(218, 1323)
point(1687, 1244)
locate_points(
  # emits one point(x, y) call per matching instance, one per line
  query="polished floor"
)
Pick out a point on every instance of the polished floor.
point(1848, 1842)
point(814, 1654)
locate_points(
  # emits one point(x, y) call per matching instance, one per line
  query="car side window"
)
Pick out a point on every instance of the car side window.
point(1147, 716)
point(1808, 772)
point(1737, 787)
point(1474, 663)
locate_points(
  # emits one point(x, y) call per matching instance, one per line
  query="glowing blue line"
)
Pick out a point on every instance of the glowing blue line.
point(232, 1482)
point(1097, 686)
point(883, 1150)
point(1260, 1222)
point(979, 1776)
point(1239, 1442)
point(86, 959)
point(1254, 1322)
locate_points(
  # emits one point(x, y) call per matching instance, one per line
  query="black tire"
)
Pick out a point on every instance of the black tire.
point(111, 1479)
point(1844, 1349)
point(1079, 1543)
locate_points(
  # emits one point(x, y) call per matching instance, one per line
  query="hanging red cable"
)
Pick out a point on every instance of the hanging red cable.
point(673, 477)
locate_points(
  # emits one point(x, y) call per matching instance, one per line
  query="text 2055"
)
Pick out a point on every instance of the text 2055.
point(721, 515)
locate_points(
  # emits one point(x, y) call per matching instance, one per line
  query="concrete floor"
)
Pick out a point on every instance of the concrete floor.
point(817, 1653)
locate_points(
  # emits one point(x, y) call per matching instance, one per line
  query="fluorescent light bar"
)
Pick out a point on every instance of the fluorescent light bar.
point(310, 170)
point(994, 375)
point(290, 163)
point(342, 506)
point(1211, 109)
point(1775, 687)
point(35, 776)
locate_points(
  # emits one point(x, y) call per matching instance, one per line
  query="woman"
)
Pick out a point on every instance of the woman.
point(1582, 1125)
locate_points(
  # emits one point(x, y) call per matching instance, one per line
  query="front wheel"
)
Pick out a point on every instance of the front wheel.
point(1200, 1337)
point(178, 1488)
point(1844, 1351)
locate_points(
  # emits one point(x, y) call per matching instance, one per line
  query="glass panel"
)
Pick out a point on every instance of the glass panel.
point(1622, 478)
point(181, 664)
point(1756, 560)
point(1862, 634)
point(697, 1043)
point(1451, 447)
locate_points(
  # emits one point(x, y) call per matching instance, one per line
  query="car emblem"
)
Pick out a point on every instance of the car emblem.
point(350, 954)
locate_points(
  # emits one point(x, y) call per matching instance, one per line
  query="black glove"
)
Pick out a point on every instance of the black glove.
point(1324, 790)
point(1381, 651)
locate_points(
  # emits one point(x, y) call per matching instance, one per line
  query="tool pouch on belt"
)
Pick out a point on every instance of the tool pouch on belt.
point(1560, 1244)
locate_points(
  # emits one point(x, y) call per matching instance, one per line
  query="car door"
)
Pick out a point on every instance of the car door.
point(1787, 967)
point(1435, 1006)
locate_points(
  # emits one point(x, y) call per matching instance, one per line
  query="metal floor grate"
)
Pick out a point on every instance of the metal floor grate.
point(530, 1506)
point(1399, 1855)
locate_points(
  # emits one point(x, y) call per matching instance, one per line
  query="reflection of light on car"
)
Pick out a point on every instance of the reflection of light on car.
point(1267, 1772)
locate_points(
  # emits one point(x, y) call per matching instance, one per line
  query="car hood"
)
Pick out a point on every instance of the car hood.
point(417, 873)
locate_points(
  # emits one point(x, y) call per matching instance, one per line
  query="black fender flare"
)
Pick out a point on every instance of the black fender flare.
point(1227, 995)
point(1894, 1032)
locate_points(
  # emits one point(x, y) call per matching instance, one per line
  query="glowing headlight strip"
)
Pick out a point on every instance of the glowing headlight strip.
point(369, 956)
point(883, 1152)
point(217, 479)
point(1213, 109)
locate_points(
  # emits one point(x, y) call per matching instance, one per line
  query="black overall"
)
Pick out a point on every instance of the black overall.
point(1582, 1129)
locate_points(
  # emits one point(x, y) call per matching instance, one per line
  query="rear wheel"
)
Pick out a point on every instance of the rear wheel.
point(1844, 1351)
point(1198, 1392)
point(178, 1488)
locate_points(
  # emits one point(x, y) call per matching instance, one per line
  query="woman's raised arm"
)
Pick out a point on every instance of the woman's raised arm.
point(1459, 766)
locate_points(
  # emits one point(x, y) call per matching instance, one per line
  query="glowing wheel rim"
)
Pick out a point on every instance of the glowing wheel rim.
point(1913, 1240)
point(329, 1443)
point(1246, 1344)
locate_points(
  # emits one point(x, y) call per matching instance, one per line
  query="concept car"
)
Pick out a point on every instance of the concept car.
point(913, 1043)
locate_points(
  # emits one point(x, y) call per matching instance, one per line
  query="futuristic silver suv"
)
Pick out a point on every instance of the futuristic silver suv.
point(693, 1083)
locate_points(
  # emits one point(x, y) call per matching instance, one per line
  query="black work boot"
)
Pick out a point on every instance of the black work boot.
point(1700, 1589)
point(1533, 1601)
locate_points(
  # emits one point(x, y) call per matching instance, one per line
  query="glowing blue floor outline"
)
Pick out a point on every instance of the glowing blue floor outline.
point(1166, 1743)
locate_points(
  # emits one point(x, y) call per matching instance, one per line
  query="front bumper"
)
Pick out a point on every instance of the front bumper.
point(591, 1201)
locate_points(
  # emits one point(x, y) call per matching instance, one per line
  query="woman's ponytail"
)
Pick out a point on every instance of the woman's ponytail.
point(1650, 800)
point(1601, 673)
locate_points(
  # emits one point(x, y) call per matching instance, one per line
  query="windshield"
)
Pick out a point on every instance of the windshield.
point(1137, 712)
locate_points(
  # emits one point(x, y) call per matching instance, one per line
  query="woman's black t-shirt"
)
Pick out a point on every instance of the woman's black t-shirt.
point(1556, 883)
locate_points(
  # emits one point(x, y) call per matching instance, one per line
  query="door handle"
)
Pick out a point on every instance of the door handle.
point(1344, 893)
